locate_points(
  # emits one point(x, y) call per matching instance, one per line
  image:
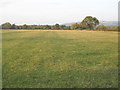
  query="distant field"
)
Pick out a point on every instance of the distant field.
point(60, 59)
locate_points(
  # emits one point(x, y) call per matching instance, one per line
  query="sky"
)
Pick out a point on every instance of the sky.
point(56, 11)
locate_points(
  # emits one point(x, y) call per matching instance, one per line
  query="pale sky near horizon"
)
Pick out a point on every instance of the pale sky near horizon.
point(56, 11)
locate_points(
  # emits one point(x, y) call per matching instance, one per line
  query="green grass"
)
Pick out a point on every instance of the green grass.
point(60, 59)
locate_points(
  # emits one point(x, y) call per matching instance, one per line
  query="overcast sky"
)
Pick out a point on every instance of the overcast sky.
point(56, 11)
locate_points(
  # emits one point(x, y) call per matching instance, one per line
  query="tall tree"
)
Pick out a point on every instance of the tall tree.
point(56, 27)
point(89, 23)
point(6, 26)
point(13, 26)
point(62, 27)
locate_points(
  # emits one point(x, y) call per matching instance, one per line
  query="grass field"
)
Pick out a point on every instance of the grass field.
point(60, 59)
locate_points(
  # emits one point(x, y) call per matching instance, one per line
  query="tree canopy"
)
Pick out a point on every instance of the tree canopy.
point(6, 25)
point(101, 27)
point(75, 26)
point(89, 23)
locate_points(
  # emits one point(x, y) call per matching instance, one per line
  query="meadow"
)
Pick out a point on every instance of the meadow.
point(59, 59)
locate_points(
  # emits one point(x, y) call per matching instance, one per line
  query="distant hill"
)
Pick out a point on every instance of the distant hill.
point(106, 23)
point(109, 23)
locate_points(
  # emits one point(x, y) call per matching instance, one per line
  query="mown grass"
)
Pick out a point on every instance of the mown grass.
point(60, 59)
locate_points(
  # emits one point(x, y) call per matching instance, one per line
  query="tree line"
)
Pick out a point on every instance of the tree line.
point(89, 23)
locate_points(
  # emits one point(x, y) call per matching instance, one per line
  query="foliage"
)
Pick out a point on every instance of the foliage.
point(119, 28)
point(101, 27)
point(56, 27)
point(24, 26)
point(89, 23)
point(112, 28)
point(6, 25)
point(75, 26)
point(13, 26)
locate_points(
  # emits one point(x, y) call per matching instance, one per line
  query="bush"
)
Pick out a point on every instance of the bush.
point(101, 27)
